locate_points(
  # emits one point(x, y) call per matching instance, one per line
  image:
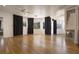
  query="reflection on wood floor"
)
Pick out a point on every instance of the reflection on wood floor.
point(37, 44)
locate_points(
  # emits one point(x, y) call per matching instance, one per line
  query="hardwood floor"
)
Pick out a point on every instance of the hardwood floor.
point(38, 44)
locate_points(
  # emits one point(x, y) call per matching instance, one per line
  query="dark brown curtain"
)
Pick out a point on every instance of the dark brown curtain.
point(30, 25)
point(17, 25)
point(48, 25)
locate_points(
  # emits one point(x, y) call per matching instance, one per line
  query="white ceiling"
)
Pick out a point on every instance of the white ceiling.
point(29, 7)
point(34, 9)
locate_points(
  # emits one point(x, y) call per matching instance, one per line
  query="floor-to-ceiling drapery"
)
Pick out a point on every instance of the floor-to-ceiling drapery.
point(30, 25)
point(17, 25)
point(48, 25)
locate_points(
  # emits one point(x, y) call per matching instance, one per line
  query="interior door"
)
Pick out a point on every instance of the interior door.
point(30, 25)
point(48, 25)
point(17, 25)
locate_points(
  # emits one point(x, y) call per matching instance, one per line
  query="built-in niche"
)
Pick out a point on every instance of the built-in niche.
point(1, 26)
point(70, 33)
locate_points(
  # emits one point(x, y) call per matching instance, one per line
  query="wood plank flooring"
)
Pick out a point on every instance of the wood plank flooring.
point(38, 44)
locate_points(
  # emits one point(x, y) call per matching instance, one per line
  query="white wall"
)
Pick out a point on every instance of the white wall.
point(25, 27)
point(60, 17)
point(41, 30)
point(7, 24)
